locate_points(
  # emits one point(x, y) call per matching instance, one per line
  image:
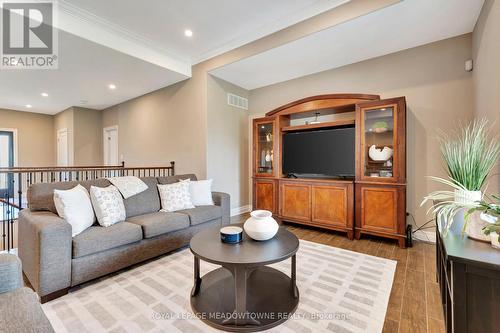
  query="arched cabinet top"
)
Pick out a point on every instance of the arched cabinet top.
point(339, 102)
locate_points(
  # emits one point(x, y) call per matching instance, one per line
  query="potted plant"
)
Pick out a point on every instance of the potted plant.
point(490, 212)
point(470, 155)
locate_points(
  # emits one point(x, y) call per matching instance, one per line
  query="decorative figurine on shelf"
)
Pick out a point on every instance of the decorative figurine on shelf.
point(316, 121)
point(380, 127)
point(269, 137)
point(263, 158)
point(377, 154)
point(268, 156)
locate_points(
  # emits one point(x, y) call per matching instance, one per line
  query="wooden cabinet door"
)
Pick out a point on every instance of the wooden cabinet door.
point(265, 147)
point(332, 204)
point(295, 201)
point(381, 141)
point(381, 208)
point(265, 195)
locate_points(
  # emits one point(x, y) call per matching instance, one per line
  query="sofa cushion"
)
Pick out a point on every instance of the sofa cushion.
point(145, 202)
point(96, 238)
point(41, 195)
point(155, 224)
point(202, 214)
point(176, 178)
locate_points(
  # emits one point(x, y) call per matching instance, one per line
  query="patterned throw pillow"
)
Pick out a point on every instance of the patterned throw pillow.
point(175, 196)
point(108, 205)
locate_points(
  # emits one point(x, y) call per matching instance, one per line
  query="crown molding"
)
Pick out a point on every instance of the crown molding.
point(87, 25)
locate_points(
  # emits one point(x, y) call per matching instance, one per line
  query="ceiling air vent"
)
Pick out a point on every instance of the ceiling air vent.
point(237, 101)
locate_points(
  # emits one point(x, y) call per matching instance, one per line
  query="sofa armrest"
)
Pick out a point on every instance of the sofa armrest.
point(11, 277)
point(45, 250)
point(224, 201)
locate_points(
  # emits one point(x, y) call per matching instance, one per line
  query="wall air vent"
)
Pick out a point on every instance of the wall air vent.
point(237, 101)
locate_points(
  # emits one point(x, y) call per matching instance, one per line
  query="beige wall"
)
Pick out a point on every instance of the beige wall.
point(437, 89)
point(227, 142)
point(84, 135)
point(35, 136)
point(486, 74)
point(163, 126)
point(87, 124)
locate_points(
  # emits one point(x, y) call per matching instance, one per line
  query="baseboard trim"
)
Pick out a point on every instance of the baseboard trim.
point(241, 210)
point(425, 236)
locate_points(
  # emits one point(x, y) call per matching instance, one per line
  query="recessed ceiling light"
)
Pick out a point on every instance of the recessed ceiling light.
point(29, 106)
point(188, 33)
point(111, 86)
point(44, 95)
point(83, 101)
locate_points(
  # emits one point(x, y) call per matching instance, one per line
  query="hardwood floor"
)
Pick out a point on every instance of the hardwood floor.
point(414, 305)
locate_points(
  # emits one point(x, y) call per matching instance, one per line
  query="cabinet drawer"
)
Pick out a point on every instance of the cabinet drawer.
point(295, 201)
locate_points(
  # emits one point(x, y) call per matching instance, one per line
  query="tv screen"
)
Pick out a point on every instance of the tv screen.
point(321, 153)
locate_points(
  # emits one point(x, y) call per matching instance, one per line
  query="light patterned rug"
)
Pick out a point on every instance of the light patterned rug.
point(340, 291)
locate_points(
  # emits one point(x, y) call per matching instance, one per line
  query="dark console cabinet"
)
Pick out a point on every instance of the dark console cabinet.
point(468, 273)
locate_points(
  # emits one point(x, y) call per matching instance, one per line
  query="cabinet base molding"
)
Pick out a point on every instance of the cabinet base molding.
point(400, 238)
point(349, 232)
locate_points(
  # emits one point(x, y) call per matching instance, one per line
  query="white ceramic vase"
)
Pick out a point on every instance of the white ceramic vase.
point(383, 154)
point(468, 197)
point(261, 225)
point(475, 224)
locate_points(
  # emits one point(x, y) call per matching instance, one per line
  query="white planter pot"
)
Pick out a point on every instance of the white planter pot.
point(468, 197)
point(494, 240)
point(474, 228)
point(260, 225)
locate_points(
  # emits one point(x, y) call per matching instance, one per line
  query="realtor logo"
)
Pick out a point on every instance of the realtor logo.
point(29, 39)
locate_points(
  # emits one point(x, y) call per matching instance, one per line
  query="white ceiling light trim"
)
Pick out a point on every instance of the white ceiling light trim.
point(84, 24)
point(301, 15)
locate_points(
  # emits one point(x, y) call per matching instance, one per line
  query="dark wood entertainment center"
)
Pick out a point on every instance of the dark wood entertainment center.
point(372, 202)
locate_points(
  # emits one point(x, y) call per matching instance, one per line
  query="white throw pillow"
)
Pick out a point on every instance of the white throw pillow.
point(175, 196)
point(201, 192)
point(128, 185)
point(75, 207)
point(108, 205)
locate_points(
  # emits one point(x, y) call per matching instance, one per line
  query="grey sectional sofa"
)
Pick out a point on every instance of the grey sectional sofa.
point(53, 261)
point(20, 310)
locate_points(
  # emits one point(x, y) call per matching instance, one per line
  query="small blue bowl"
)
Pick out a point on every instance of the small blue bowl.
point(231, 234)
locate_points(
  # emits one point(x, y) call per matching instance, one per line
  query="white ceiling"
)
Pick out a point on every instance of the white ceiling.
point(85, 70)
point(407, 24)
point(218, 25)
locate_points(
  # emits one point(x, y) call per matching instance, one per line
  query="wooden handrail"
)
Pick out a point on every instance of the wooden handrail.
point(83, 168)
point(10, 204)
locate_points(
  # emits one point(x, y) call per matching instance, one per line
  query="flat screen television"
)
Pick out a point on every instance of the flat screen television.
point(318, 153)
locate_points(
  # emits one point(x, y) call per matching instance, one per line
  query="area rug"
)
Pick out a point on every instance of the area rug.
point(340, 291)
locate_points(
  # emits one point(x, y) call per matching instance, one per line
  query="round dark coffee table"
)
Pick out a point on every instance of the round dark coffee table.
point(244, 295)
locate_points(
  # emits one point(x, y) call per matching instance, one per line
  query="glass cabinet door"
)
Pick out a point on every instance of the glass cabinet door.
point(264, 133)
point(378, 142)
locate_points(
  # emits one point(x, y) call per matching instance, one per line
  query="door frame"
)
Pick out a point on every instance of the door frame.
point(14, 137)
point(104, 131)
point(15, 150)
point(62, 130)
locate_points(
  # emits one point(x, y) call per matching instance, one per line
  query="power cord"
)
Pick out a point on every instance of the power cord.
point(423, 226)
